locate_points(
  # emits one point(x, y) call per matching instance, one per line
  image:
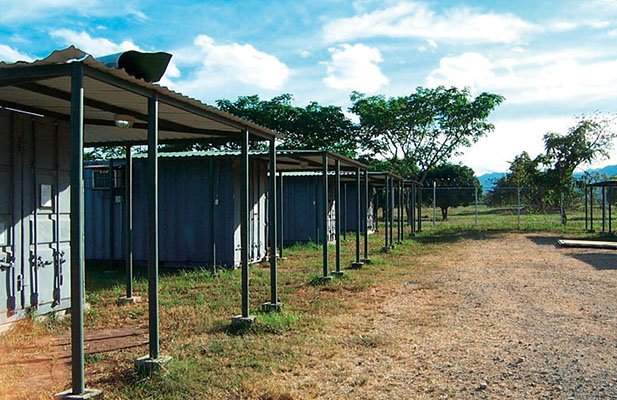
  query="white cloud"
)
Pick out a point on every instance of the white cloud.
point(432, 43)
point(101, 47)
point(355, 68)
point(510, 138)
point(305, 53)
point(9, 54)
point(415, 19)
point(557, 76)
point(561, 26)
point(217, 65)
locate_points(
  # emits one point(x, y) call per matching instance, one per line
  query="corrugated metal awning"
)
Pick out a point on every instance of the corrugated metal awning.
point(43, 87)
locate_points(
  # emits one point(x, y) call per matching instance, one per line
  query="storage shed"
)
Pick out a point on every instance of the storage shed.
point(302, 199)
point(197, 227)
point(105, 103)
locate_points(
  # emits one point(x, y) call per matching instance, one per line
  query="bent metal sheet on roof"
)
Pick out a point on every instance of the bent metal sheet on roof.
point(43, 87)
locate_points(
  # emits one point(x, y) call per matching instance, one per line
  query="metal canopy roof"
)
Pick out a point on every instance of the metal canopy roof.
point(286, 160)
point(377, 177)
point(43, 87)
point(603, 183)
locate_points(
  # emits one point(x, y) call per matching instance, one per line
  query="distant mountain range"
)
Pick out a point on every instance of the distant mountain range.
point(488, 180)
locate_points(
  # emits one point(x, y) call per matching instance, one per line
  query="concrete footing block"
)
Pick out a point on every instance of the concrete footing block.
point(272, 307)
point(148, 366)
point(385, 249)
point(366, 260)
point(241, 322)
point(356, 265)
point(325, 279)
point(89, 394)
point(338, 273)
point(128, 300)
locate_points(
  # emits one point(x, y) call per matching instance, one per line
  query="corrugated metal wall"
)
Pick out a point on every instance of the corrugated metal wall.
point(34, 215)
point(302, 209)
point(348, 200)
point(199, 213)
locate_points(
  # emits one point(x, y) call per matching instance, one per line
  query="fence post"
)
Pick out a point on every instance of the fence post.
point(434, 202)
point(562, 210)
point(518, 208)
point(603, 208)
point(591, 208)
point(586, 222)
point(476, 201)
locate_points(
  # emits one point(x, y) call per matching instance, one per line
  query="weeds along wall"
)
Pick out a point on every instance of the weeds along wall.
point(199, 211)
point(34, 216)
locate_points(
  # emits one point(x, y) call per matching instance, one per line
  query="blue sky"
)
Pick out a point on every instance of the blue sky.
point(552, 60)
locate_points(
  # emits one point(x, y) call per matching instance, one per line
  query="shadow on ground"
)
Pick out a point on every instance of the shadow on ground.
point(457, 234)
point(601, 261)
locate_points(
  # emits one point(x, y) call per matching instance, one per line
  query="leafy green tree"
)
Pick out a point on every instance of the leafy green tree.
point(427, 127)
point(452, 176)
point(548, 179)
point(590, 139)
point(312, 127)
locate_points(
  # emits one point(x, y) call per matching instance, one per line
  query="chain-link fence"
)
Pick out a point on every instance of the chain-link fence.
point(515, 207)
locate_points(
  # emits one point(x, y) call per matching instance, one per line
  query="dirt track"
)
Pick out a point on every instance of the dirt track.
point(507, 317)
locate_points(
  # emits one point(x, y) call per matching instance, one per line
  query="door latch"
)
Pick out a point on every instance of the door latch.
point(39, 262)
point(7, 263)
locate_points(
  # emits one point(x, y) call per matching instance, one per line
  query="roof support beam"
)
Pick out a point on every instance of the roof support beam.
point(164, 125)
point(19, 75)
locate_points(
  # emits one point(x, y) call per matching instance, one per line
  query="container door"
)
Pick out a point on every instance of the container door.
point(8, 290)
point(48, 250)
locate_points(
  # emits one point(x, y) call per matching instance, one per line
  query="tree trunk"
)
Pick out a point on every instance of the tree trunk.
point(444, 213)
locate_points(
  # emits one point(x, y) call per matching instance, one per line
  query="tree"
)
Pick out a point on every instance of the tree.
point(451, 176)
point(427, 127)
point(588, 140)
point(548, 178)
point(312, 127)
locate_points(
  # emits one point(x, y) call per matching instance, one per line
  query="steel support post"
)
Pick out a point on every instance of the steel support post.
point(345, 213)
point(366, 258)
point(128, 221)
point(111, 213)
point(400, 212)
point(128, 228)
point(245, 318)
point(337, 216)
point(358, 263)
point(153, 225)
point(412, 209)
point(324, 220)
point(77, 229)
point(78, 390)
point(153, 362)
point(280, 215)
point(386, 215)
point(274, 304)
point(391, 200)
